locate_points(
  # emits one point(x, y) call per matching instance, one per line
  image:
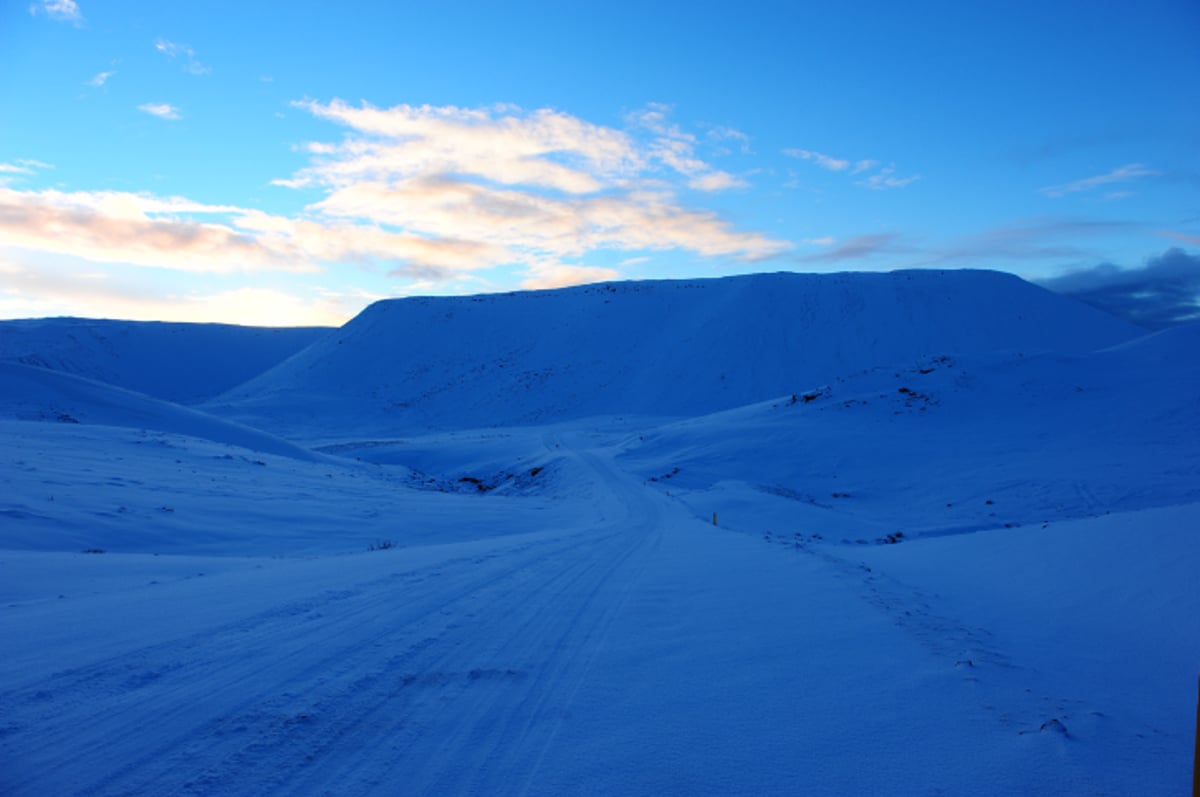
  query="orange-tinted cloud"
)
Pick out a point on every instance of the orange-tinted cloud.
point(523, 187)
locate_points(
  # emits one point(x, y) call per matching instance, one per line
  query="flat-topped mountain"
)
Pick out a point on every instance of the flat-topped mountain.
point(658, 348)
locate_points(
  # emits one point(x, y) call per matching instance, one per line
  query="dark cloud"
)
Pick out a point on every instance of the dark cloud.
point(1162, 293)
point(860, 247)
point(1029, 239)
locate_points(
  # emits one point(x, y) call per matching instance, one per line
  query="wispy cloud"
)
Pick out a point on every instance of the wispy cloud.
point(175, 49)
point(886, 179)
point(163, 110)
point(1187, 238)
point(858, 248)
point(824, 161)
point(1030, 240)
point(882, 180)
point(1163, 292)
point(19, 169)
point(676, 149)
point(172, 49)
point(724, 136)
point(1122, 174)
point(61, 10)
point(100, 79)
point(1041, 238)
point(526, 187)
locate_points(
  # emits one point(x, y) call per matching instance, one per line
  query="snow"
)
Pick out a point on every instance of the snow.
point(659, 348)
point(179, 362)
point(605, 582)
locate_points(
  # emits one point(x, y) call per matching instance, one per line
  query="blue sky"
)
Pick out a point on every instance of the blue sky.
point(266, 163)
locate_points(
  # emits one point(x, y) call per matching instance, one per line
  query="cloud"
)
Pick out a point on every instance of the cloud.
point(859, 247)
point(21, 168)
point(521, 186)
point(179, 234)
point(1164, 292)
point(885, 179)
point(544, 149)
point(435, 195)
point(65, 288)
point(676, 149)
point(118, 227)
point(60, 10)
point(172, 49)
point(175, 49)
point(1187, 238)
point(882, 180)
point(1123, 174)
point(558, 275)
point(722, 135)
point(326, 240)
point(716, 181)
point(163, 110)
point(1039, 238)
point(100, 79)
point(824, 161)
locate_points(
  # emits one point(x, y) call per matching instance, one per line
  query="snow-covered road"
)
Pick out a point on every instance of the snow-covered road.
point(351, 675)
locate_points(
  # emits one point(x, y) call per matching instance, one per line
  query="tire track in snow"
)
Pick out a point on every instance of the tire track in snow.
point(67, 722)
point(476, 731)
point(450, 677)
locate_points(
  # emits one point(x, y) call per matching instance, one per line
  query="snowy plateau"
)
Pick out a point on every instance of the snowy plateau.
point(916, 533)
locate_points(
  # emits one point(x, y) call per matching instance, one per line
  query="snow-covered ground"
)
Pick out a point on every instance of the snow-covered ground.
point(966, 569)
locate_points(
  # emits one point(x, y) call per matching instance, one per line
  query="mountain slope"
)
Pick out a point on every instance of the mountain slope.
point(177, 362)
point(663, 348)
point(39, 394)
point(947, 446)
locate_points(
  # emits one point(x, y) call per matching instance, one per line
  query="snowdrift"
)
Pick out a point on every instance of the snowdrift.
point(177, 362)
point(662, 348)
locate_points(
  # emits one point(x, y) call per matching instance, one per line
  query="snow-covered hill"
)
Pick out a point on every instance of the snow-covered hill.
point(185, 363)
point(666, 348)
point(39, 394)
point(948, 445)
